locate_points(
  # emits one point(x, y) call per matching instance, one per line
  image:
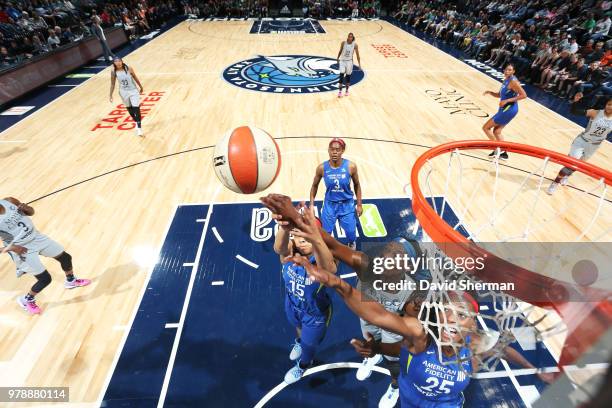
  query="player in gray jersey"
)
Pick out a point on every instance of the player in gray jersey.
point(25, 244)
point(128, 91)
point(345, 62)
point(587, 142)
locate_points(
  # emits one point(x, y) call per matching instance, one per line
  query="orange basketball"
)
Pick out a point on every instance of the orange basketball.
point(247, 160)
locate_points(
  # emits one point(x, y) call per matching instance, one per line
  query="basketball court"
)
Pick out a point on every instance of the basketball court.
point(185, 308)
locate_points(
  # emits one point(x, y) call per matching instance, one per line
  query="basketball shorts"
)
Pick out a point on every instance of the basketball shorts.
point(30, 261)
point(581, 149)
point(342, 211)
point(346, 67)
point(313, 326)
point(380, 335)
point(130, 98)
point(506, 114)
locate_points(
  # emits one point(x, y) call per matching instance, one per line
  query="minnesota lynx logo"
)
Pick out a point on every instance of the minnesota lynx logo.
point(287, 74)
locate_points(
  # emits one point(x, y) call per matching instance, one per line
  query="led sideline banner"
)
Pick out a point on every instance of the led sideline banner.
point(23, 78)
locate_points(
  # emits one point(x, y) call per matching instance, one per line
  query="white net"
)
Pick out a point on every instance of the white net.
point(496, 201)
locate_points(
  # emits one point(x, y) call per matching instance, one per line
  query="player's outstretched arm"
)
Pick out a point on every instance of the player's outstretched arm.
point(133, 73)
point(309, 230)
point(23, 207)
point(315, 184)
point(281, 242)
point(112, 87)
point(373, 312)
point(284, 211)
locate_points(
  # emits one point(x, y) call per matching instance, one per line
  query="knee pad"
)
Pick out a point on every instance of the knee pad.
point(43, 280)
point(65, 261)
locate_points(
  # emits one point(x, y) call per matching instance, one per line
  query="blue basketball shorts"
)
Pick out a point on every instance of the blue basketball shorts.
point(344, 213)
point(506, 114)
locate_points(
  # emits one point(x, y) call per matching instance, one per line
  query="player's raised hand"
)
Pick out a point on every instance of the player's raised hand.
point(365, 347)
point(308, 226)
point(282, 205)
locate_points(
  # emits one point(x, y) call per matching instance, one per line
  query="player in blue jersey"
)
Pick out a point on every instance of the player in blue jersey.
point(308, 305)
point(339, 203)
point(510, 93)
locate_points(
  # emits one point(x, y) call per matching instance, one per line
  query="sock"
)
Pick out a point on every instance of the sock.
point(29, 297)
point(70, 277)
point(137, 116)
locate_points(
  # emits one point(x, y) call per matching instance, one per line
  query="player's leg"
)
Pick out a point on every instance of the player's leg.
point(313, 332)
point(136, 115)
point(391, 363)
point(293, 317)
point(52, 249)
point(30, 261)
point(342, 69)
point(577, 151)
point(329, 216)
point(365, 370)
point(348, 222)
point(349, 71)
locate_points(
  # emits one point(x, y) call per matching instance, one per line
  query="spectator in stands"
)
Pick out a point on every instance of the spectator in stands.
point(53, 40)
point(98, 31)
point(602, 28)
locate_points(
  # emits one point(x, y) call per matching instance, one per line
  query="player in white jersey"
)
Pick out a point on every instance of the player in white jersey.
point(587, 142)
point(127, 90)
point(395, 302)
point(345, 62)
point(25, 245)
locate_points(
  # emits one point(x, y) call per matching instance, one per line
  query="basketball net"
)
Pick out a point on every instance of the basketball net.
point(506, 316)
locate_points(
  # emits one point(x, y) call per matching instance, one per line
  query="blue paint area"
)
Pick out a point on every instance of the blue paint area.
point(236, 340)
point(284, 25)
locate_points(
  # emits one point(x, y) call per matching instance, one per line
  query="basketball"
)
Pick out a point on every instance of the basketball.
point(247, 160)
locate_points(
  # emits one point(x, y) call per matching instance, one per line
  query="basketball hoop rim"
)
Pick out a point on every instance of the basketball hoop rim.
point(443, 232)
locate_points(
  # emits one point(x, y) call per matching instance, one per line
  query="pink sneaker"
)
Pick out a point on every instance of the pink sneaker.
point(76, 283)
point(346, 93)
point(339, 94)
point(29, 306)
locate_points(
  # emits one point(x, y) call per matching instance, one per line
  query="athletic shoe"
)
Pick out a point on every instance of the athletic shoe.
point(138, 131)
point(503, 156)
point(294, 374)
point(29, 306)
point(564, 180)
point(296, 351)
point(389, 399)
point(365, 370)
point(339, 94)
point(492, 154)
point(76, 283)
point(552, 188)
point(346, 93)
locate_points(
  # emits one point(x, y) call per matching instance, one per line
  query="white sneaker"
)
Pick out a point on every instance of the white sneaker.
point(365, 370)
point(139, 131)
point(389, 399)
point(294, 374)
point(552, 188)
point(296, 351)
point(564, 180)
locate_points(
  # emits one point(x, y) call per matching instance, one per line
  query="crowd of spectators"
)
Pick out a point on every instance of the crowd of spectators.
point(260, 8)
point(560, 46)
point(33, 27)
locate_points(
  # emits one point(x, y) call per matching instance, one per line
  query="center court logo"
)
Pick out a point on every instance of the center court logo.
point(287, 74)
